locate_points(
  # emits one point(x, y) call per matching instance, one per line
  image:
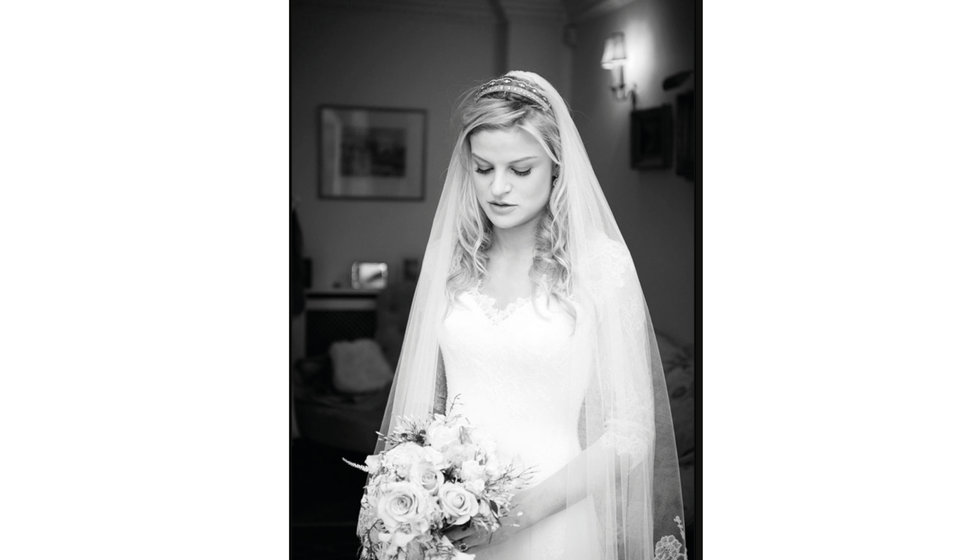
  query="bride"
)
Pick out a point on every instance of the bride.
point(529, 316)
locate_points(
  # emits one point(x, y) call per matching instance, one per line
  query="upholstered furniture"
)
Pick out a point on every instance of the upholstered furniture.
point(343, 408)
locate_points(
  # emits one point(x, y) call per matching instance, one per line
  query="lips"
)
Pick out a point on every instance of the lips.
point(500, 208)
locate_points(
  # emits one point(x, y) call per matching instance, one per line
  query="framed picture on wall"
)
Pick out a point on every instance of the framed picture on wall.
point(370, 153)
point(651, 138)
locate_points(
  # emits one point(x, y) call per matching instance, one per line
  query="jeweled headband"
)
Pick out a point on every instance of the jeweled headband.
point(516, 86)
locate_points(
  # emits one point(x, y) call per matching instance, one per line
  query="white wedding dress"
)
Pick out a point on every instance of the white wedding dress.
point(521, 375)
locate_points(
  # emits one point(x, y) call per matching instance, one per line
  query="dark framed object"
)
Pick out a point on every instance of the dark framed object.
point(651, 138)
point(370, 153)
point(684, 164)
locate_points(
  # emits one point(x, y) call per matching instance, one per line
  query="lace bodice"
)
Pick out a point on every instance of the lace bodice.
point(520, 373)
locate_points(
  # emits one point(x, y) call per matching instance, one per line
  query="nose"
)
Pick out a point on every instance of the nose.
point(500, 185)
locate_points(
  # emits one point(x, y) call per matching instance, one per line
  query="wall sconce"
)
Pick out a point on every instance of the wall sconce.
point(613, 59)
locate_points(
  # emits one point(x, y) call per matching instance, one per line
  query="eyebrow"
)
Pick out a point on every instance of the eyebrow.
point(521, 160)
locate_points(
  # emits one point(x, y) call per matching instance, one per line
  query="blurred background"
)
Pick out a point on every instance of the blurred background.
point(373, 84)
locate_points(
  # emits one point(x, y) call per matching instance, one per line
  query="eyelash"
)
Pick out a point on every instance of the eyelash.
point(516, 172)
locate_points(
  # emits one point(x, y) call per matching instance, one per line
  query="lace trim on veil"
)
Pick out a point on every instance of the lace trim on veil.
point(669, 548)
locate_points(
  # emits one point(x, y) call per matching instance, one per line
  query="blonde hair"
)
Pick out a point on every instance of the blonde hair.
point(474, 231)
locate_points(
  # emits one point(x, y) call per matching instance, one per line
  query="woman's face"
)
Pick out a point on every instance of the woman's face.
point(512, 173)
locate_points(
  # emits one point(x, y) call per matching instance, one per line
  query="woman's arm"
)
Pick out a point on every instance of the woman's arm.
point(439, 403)
point(566, 486)
point(560, 490)
point(625, 442)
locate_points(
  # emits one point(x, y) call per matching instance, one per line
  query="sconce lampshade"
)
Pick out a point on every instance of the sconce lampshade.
point(614, 54)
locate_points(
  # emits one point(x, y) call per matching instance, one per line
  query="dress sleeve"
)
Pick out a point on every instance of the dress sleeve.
point(625, 364)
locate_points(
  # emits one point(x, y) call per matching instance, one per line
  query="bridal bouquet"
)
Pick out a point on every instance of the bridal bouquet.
point(433, 474)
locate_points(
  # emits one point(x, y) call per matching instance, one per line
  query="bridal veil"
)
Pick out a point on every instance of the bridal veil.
point(633, 481)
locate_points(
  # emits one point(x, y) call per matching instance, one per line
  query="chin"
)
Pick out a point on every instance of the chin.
point(509, 222)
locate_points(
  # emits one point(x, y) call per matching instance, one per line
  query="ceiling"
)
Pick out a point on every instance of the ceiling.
point(562, 10)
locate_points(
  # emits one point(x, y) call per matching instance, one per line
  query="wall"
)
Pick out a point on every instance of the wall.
point(654, 208)
point(537, 45)
point(407, 60)
point(401, 59)
point(380, 59)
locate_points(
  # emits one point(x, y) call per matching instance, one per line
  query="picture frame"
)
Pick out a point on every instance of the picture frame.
point(369, 275)
point(651, 138)
point(370, 153)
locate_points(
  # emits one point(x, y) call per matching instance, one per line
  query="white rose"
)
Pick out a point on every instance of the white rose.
point(405, 454)
point(439, 435)
point(436, 458)
point(458, 504)
point(404, 503)
point(476, 486)
point(427, 476)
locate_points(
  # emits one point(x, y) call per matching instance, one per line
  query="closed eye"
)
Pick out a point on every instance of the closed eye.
point(519, 172)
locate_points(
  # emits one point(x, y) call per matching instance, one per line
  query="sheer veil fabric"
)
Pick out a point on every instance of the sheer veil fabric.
point(628, 463)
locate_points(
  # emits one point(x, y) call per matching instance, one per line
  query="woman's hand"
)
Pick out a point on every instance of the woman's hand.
point(466, 537)
point(472, 537)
